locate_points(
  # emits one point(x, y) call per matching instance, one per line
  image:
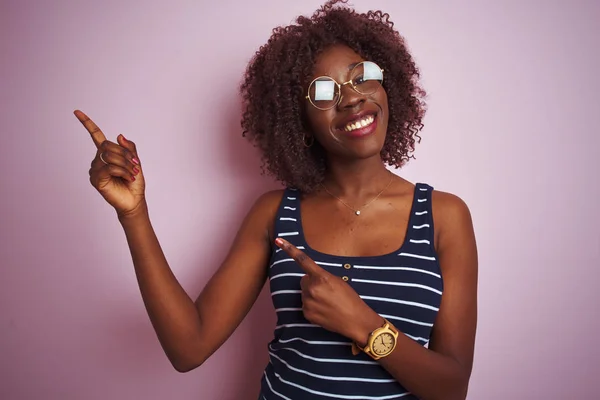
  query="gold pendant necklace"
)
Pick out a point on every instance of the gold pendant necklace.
point(357, 211)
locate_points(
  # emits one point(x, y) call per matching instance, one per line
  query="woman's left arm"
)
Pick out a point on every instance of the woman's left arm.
point(441, 371)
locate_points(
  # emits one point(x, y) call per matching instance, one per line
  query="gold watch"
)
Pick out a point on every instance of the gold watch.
point(381, 342)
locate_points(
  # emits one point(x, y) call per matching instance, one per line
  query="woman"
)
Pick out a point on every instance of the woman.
point(372, 302)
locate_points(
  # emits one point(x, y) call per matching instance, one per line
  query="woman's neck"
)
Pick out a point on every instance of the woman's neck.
point(356, 179)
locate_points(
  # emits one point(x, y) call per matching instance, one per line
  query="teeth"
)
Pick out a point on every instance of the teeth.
point(359, 124)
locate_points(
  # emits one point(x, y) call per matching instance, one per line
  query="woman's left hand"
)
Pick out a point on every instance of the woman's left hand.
point(330, 302)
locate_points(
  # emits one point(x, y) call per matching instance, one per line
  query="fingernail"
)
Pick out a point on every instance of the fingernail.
point(124, 138)
point(136, 171)
point(135, 160)
point(133, 178)
point(278, 241)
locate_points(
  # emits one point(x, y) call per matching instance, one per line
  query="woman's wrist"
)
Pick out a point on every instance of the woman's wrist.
point(364, 325)
point(140, 213)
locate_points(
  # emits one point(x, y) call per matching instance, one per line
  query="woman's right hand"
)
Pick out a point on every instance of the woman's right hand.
point(116, 170)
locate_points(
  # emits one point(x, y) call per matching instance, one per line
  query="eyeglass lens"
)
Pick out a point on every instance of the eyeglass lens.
point(366, 79)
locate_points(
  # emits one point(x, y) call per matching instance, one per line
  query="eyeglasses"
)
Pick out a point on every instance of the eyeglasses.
point(324, 92)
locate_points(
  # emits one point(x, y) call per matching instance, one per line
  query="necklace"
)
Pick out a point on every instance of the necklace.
point(357, 211)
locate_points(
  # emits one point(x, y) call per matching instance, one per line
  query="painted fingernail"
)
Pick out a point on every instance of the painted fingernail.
point(135, 170)
point(133, 178)
point(135, 160)
point(279, 241)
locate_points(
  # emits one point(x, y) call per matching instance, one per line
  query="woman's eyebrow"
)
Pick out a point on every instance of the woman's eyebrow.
point(350, 66)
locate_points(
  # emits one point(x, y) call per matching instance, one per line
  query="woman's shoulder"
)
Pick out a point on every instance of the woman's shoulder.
point(265, 208)
point(451, 215)
point(448, 204)
point(270, 199)
point(267, 204)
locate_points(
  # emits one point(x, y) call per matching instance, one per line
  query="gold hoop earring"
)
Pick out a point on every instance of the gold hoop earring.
point(311, 139)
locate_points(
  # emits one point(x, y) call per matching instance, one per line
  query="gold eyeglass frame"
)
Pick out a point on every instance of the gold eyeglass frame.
point(339, 86)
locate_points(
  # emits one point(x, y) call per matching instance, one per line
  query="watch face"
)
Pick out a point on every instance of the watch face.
point(383, 344)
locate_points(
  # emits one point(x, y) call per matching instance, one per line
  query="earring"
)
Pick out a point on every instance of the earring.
point(311, 139)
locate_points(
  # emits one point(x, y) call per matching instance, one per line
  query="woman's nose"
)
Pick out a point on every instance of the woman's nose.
point(349, 97)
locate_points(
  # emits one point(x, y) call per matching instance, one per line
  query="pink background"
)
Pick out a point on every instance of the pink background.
point(512, 128)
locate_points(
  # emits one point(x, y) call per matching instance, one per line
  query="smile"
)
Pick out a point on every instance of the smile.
point(361, 123)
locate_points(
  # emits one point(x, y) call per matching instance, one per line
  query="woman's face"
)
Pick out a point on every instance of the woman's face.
point(341, 130)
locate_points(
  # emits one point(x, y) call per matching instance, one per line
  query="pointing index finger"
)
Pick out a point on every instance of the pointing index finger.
point(305, 262)
point(95, 132)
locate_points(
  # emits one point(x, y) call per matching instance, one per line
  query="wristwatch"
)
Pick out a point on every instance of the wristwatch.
point(381, 342)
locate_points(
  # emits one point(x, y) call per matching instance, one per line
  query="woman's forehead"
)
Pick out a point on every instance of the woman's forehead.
point(338, 60)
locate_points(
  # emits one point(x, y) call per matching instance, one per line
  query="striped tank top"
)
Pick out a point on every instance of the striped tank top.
point(405, 287)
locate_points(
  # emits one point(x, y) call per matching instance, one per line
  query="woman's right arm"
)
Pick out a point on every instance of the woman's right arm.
point(188, 331)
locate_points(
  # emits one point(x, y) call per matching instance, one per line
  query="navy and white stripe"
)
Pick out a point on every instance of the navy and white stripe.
point(405, 287)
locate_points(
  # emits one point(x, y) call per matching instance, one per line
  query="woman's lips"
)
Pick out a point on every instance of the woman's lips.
point(363, 131)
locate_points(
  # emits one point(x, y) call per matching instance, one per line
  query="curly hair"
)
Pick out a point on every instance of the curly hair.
point(272, 90)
